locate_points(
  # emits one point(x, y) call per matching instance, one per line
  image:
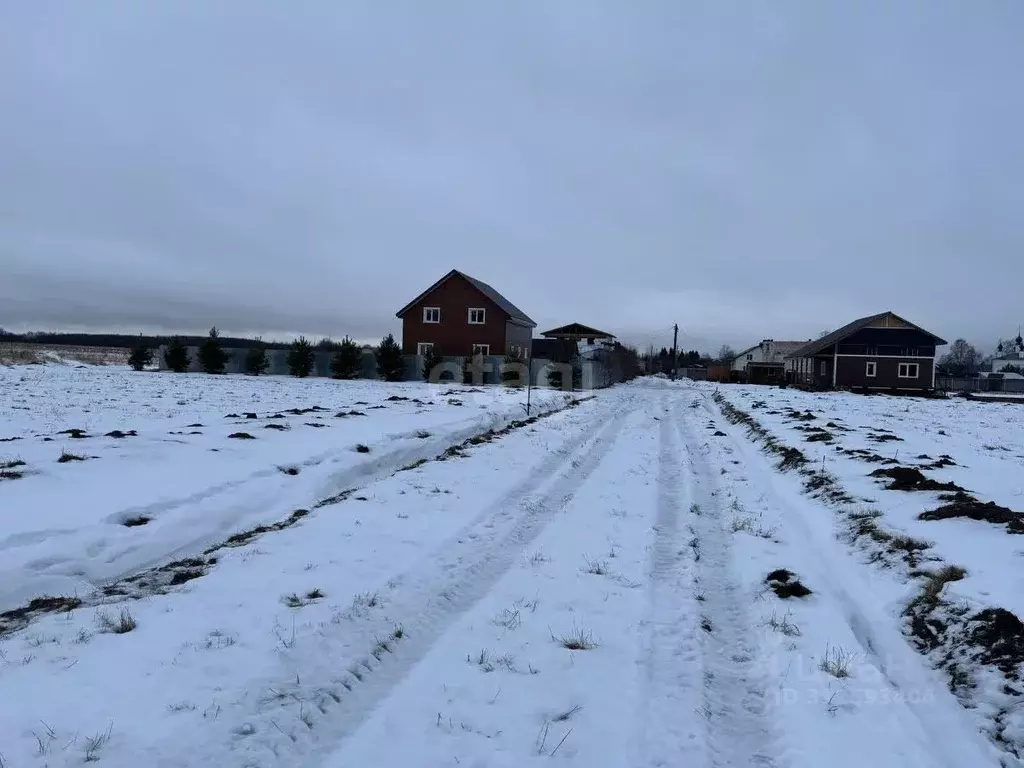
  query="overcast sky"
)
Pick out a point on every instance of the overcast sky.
point(745, 169)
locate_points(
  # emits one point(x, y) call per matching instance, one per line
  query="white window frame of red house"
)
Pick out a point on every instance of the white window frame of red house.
point(483, 316)
point(485, 347)
point(871, 369)
point(423, 347)
point(429, 312)
point(906, 367)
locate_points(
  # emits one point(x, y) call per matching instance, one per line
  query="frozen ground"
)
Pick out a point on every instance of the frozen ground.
point(590, 588)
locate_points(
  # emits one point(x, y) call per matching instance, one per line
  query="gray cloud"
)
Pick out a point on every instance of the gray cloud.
point(745, 170)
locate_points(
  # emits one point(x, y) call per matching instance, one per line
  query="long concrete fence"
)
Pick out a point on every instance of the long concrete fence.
point(486, 370)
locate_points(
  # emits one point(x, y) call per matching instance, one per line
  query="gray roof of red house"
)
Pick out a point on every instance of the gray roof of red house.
point(515, 314)
point(813, 347)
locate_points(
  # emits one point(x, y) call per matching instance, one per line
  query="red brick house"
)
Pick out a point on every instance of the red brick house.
point(881, 352)
point(464, 316)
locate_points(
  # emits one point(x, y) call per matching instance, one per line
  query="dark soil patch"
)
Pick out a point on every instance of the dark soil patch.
point(820, 436)
point(67, 457)
point(12, 464)
point(277, 416)
point(74, 434)
point(315, 424)
point(119, 435)
point(839, 427)
point(18, 618)
point(376, 407)
point(278, 427)
point(816, 481)
point(940, 463)
point(289, 470)
point(11, 474)
point(886, 438)
point(791, 458)
point(134, 522)
point(718, 433)
point(304, 411)
point(959, 496)
point(251, 415)
point(798, 416)
point(999, 635)
point(197, 425)
point(344, 414)
point(335, 499)
point(911, 479)
point(232, 416)
point(865, 455)
point(416, 464)
point(185, 575)
point(241, 436)
point(362, 448)
point(8, 439)
point(243, 538)
point(969, 507)
point(928, 626)
point(396, 398)
point(785, 584)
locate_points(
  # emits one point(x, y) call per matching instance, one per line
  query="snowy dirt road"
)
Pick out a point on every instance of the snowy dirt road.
point(590, 589)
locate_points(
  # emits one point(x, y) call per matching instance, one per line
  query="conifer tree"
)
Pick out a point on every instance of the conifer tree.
point(212, 356)
point(431, 360)
point(141, 355)
point(301, 357)
point(176, 356)
point(346, 363)
point(389, 359)
point(256, 361)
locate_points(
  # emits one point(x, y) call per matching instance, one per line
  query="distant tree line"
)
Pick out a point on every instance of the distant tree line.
point(128, 341)
point(661, 361)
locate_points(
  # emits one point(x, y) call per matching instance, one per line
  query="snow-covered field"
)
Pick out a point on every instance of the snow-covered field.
point(63, 525)
point(939, 484)
point(591, 587)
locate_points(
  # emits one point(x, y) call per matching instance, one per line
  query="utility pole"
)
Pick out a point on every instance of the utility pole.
point(675, 352)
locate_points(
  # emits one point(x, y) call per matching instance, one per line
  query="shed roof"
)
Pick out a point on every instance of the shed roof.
point(576, 330)
point(515, 314)
point(784, 347)
point(813, 347)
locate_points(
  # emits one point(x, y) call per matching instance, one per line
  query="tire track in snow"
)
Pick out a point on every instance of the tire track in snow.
point(669, 732)
point(740, 728)
point(301, 716)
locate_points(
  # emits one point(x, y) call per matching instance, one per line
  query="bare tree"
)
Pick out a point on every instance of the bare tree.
point(726, 354)
point(962, 359)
